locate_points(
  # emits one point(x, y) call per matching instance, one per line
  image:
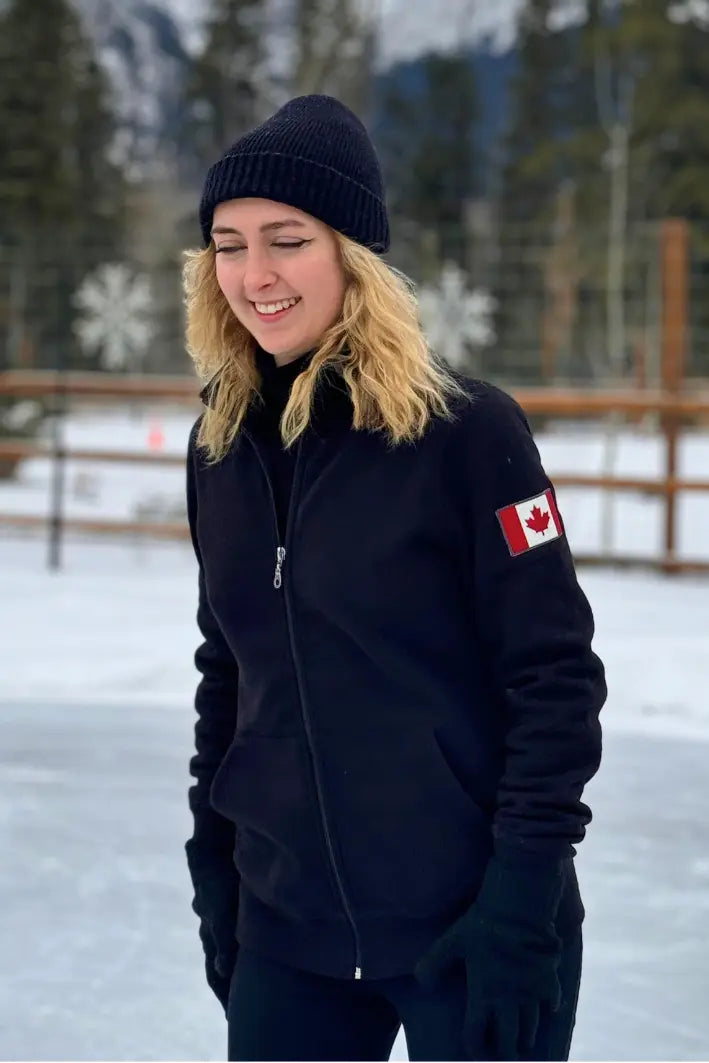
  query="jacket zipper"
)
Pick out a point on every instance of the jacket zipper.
point(278, 583)
point(280, 558)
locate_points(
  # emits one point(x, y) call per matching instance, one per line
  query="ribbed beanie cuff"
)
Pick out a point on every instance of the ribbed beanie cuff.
point(314, 154)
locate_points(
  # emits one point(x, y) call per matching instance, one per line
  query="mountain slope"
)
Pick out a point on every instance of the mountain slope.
point(142, 46)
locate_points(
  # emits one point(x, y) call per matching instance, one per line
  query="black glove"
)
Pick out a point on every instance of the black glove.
point(216, 903)
point(215, 964)
point(511, 953)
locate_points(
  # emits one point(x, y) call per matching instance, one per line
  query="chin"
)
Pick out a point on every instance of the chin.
point(270, 345)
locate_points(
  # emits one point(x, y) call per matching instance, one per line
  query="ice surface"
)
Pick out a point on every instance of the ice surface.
point(100, 957)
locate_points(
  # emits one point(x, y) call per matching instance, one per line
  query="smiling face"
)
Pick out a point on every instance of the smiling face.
point(280, 272)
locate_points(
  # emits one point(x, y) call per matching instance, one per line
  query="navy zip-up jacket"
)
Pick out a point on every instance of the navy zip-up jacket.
point(387, 690)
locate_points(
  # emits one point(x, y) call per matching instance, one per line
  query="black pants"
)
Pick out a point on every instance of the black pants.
point(279, 1013)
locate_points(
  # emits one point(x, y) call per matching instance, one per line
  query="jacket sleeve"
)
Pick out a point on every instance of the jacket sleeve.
point(212, 843)
point(536, 628)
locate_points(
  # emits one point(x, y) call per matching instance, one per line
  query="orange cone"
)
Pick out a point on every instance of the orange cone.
point(156, 436)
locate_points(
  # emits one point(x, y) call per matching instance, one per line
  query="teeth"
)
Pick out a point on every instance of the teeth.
point(273, 308)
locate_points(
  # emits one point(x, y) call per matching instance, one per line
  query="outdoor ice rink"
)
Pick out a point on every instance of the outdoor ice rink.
point(100, 957)
point(206, 197)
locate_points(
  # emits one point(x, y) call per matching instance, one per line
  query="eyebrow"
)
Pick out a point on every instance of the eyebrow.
point(268, 227)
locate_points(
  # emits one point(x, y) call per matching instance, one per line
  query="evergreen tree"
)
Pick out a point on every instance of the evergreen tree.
point(534, 168)
point(428, 153)
point(609, 131)
point(630, 54)
point(645, 70)
point(532, 162)
point(36, 113)
point(227, 82)
point(684, 190)
point(334, 44)
point(61, 198)
point(100, 183)
point(56, 121)
point(680, 136)
point(628, 60)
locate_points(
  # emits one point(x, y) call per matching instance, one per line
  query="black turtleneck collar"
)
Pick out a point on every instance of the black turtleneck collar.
point(277, 380)
point(332, 405)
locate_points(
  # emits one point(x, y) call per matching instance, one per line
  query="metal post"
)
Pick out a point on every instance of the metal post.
point(675, 297)
point(56, 504)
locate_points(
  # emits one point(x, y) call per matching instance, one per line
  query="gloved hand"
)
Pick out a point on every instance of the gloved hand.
point(511, 953)
point(216, 903)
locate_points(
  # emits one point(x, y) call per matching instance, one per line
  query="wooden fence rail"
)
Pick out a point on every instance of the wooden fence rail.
point(674, 410)
point(555, 401)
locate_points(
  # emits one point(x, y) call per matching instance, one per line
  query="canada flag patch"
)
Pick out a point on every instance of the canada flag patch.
point(530, 523)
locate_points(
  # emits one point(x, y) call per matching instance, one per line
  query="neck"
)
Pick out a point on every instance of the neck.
point(286, 359)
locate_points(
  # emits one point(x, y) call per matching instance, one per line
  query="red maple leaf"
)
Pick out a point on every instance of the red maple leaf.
point(538, 522)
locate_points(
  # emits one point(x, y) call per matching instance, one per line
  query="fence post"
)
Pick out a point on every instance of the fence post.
point(57, 487)
point(674, 242)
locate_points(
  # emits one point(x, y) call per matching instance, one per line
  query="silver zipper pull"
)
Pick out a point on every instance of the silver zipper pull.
point(280, 558)
point(358, 972)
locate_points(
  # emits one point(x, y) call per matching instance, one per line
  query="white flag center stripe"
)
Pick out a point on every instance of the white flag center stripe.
point(524, 512)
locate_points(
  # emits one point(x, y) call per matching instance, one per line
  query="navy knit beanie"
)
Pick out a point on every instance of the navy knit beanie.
point(313, 154)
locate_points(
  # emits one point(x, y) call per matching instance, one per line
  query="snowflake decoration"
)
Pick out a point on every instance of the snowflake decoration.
point(115, 307)
point(21, 415)
point(454, 317)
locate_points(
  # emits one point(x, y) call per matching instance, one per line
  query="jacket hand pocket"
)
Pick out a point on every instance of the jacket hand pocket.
point(265, 786)
point(410, 838)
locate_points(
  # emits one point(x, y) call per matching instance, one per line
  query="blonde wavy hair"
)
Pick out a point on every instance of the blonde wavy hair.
point(395, 383)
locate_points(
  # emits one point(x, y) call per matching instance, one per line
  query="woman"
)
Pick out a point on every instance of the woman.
point(398, 708)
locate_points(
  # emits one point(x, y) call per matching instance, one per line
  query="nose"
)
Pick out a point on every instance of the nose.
point(259, 274)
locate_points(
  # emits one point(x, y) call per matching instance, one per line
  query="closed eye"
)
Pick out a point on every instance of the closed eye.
point(283, 245)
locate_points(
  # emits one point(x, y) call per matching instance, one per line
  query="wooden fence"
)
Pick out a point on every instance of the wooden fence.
point(673, 409)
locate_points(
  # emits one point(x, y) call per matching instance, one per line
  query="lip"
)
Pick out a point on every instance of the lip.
point(269, 319)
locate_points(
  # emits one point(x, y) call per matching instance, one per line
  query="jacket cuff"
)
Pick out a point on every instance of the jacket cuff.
point(516, 854)
point(521, 887)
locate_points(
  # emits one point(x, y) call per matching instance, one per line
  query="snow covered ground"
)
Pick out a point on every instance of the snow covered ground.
point(100, 957)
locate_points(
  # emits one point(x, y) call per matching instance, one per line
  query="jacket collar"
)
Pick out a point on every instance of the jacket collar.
point(332, 405)
point(208, 393)
point(264, 363)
